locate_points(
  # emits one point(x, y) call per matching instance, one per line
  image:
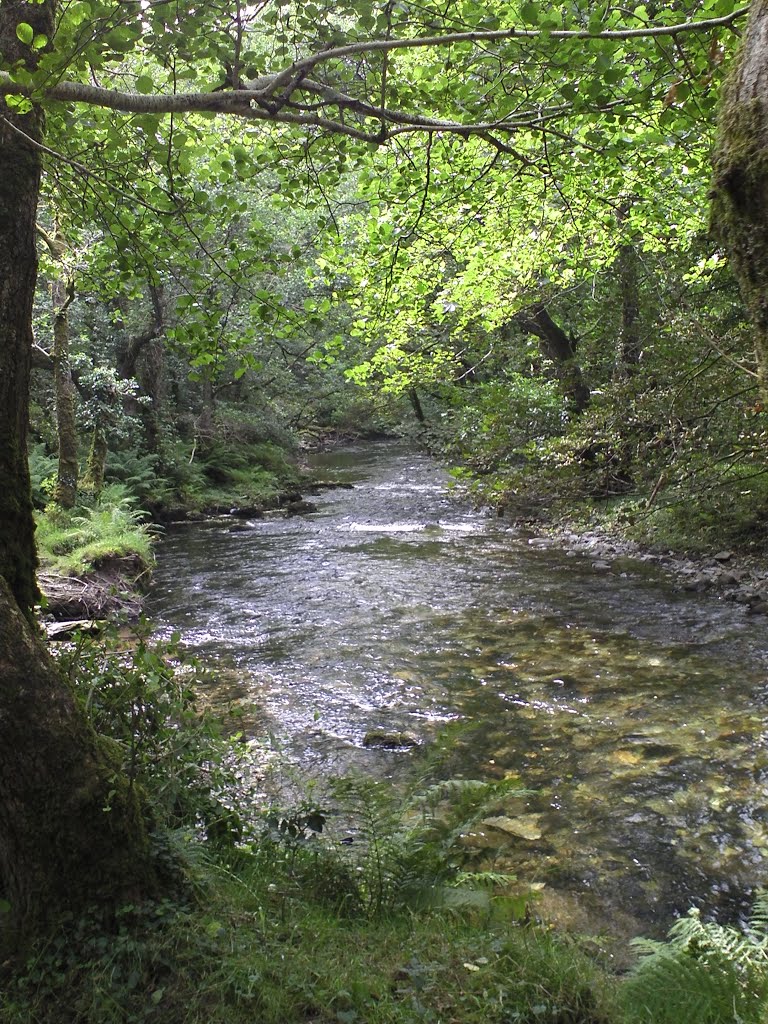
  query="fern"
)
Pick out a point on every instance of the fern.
point(408, 851)
point(705, 973)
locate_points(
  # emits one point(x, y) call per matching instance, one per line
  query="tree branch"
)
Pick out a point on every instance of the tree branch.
point(266, 98)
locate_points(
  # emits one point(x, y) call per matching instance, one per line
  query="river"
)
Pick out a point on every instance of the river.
point(637, 714)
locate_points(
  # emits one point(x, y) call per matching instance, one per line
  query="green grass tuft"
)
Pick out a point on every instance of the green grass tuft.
point(80, 539)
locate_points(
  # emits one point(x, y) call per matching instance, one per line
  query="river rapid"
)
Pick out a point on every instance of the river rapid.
point(636, 714)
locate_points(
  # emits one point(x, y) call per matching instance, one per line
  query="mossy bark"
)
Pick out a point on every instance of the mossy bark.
point(151, 377)
point(96, 466)
point(739, 211)
point(65, 493)
point(72, 833)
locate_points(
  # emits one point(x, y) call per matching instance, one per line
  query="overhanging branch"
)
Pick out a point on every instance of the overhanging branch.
point(277, 98)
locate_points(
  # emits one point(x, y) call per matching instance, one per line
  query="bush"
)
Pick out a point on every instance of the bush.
point(144, 697)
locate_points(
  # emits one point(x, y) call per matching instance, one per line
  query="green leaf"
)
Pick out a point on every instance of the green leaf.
point(25, 32)
point(529, 13)
point(144, 84)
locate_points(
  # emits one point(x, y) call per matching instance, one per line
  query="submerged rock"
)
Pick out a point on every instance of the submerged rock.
point(389, 740)
point(300, 507)
point(526, 826)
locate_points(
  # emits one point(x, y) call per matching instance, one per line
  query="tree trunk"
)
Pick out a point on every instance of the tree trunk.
point(71, 832)
point(65, 493)
point(558, 347)
point(19, 187)
point(418, 411)
point(205, 421)
point(151, 377)
point(629, 347)
point(739, 212)
point(71, 828)
point(95, 468)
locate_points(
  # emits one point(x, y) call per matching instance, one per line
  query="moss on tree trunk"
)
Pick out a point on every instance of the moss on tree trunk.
point(739, 211)
point(66, 427)
point(72, 834)
point(95, 468)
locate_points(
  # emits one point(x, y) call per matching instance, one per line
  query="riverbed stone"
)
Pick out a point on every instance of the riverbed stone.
point(300, 507)
point(723, 556)
point(389, 740)
point(525, 826)
point(697, 582)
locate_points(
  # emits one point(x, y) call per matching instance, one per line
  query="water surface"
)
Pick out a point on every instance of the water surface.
point(636, 713)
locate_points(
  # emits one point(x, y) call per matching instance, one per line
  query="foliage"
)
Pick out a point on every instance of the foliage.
point(383, 850)
point(72, 541)
point(42, 471)
point(705, 973)
point(244, 953)
point(287, 927)
point(143, 694)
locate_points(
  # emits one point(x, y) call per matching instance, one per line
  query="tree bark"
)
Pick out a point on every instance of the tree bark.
point(95, 468)
point(739, 211)
point(630, 345)
point(65, 493)
point(558, 347)
point(71, 829)
point(19, 187)
point(72, 833)
point(418, 411)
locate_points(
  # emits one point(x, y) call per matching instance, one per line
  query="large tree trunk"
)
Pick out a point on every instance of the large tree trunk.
point(71, 833)
point(739, 214)
point(19, 186)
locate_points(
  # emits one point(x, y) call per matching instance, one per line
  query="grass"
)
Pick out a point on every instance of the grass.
point(80, 539)
point(252, 948)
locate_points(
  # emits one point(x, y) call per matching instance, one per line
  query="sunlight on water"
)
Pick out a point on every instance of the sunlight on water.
point(638, 715)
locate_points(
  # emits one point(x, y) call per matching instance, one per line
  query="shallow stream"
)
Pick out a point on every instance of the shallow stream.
point(637, 714)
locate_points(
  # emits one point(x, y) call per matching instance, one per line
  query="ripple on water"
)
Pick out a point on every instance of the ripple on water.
point(636, 714)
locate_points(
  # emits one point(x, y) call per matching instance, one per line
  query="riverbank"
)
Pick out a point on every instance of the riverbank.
point(633, 721)
point(727, 574)
point(96, 559)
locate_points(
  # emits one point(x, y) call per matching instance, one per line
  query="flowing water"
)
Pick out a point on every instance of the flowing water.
point(638, 715)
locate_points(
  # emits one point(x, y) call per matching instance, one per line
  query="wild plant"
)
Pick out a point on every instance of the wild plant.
point(704, 973)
